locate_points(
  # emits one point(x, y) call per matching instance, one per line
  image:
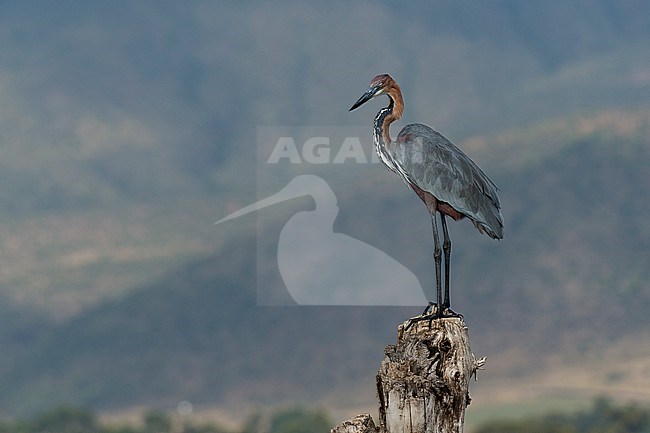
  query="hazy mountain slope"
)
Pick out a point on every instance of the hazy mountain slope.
point(578, 247)
point(198, 335)
point(127, 128)
point(570, 278)
point(110, 116)
point(575, 195)
point(139, 101)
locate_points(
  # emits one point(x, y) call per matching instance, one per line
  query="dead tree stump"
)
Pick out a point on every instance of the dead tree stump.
point(423, 381)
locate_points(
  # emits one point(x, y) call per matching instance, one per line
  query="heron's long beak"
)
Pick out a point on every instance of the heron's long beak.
point(364, 98)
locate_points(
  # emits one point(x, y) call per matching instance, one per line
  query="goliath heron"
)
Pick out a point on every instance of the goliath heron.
point(445, 179)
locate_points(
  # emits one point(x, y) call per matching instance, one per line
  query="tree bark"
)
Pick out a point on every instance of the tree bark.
point(359, 424)
point(423, 381)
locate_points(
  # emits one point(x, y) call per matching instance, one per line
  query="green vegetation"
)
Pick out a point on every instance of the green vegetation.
point(292, 420)
point(603, 417)
point(68, 419)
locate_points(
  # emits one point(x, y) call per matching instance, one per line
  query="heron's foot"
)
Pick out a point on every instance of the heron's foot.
point(432, 310)
point(431, 313)
point(421, 318)
point(448, 312)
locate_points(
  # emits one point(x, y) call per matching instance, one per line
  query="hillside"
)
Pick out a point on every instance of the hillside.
point(97, 109)
point(127, 129)
point(565, 285)
point(197, 335)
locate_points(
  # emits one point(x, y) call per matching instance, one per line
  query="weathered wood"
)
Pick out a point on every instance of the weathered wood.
point(423, 381)
point(359, 424)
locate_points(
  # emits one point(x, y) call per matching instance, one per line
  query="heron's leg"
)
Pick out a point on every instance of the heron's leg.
point(429, 312)
point(446, 248)
point(437, 257)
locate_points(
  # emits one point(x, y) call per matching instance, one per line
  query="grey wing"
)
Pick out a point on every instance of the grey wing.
point(436, 165)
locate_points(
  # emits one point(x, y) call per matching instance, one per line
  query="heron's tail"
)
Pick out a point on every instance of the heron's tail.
point(489, 220)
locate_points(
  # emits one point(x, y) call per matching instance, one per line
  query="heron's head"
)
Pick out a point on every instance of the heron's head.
point(381, 84)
